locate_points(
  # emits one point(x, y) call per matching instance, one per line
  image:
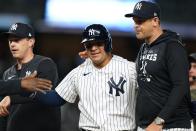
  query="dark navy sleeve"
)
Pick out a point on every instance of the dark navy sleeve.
point(10, 87)
point(51, 98)
point(177, 64)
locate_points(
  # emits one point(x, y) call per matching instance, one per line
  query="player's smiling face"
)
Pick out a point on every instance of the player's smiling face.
point(97, 53)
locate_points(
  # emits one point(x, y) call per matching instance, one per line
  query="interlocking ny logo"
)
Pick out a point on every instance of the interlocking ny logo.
point(14, 27)
point(138, 6)
point(93, 32)
point(28, 73)
point(118, 87)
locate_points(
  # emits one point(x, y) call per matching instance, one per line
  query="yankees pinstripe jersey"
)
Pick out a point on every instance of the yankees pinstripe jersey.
point(107, 95)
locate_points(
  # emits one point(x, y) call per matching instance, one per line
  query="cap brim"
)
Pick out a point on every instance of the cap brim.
point(137, 15)
point(7, 34)
point(87, 40)
point(129, 15)
point(192, 59)
point(91, 40)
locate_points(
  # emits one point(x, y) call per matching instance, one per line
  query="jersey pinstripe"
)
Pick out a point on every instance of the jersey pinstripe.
point(107, 96)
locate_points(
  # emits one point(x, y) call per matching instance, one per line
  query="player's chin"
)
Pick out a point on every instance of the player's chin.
point(97, 63)
point(140, 36)
point(96, 59)
point(16, 56)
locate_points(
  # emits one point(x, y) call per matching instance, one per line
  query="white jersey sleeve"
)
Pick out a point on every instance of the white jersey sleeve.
point(67, 87)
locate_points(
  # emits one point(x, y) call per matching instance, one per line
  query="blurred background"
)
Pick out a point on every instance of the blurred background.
point(59, 23)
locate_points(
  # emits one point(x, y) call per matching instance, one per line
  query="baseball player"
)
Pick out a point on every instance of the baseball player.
point(163, 101)
point(25, 114)
point(105, 83)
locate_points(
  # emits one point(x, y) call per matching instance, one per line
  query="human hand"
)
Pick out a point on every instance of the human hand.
point(33, 84)
point(154, 127)
point(4, 105)
point(83, 54)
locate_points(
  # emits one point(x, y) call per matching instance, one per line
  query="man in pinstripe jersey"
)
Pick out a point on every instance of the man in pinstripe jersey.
point(162, 74)
point(105, 83)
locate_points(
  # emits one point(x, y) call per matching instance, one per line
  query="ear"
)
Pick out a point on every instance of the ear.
point(31, 42)
point(156, 21)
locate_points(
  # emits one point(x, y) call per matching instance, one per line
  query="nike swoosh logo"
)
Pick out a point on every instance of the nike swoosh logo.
point(86, 73)
point(11, 77)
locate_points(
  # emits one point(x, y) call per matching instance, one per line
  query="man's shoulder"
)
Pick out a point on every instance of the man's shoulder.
point(42, 60)
point(85, 64)
point(172, 39)
point(41, 63)
point(122, 60)
point(39, 58)
point(10, 69)
point(10, 73)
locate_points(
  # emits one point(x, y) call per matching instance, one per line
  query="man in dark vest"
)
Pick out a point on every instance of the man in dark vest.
point(24, 113)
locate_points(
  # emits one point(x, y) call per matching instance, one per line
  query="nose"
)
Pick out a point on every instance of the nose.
point(12, 43)
point(93, 48)
point(136, 25)
point(191, 71)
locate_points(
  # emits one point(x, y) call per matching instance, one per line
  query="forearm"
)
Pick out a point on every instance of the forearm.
point(51, 98)
point(18, 99)
point(10, 87)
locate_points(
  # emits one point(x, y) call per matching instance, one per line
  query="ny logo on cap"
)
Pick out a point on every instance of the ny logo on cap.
point(29, 35)
point(155, 14)
point(138, 6)
point(93, 32)
point(14, 27)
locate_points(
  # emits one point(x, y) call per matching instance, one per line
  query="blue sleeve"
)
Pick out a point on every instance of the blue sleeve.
point(51, 98)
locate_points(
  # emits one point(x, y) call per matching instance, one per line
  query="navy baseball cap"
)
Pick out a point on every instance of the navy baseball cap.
point(145, 10)
point(20, 30)
point(192, 57)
